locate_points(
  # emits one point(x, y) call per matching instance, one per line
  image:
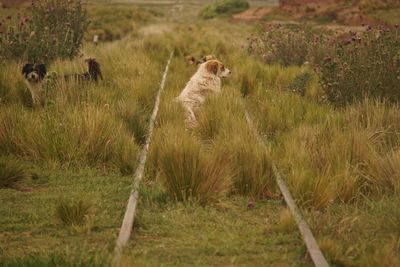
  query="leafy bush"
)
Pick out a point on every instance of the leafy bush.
point(367, 65)
point(288, 45)
point(54, 29)
point(223, 7)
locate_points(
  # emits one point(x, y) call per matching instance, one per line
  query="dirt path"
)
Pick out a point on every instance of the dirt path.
point(254, 13)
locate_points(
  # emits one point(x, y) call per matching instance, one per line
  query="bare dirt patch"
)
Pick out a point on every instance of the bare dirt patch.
point(254, 13)
point(334, 10)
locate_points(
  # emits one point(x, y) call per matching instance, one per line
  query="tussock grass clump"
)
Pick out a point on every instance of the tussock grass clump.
point(223, 7)
point(189, 172)
point(346, 156)
point(13, 173)
point(220, 113)
point(250, 162)
point(86, 136)
point(74, 213)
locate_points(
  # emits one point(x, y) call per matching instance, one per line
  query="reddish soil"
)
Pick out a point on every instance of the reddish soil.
point(253, 13)
point(14, 3)
point(336, 10)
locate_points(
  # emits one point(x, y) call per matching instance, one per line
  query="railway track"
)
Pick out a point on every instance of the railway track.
point(131, 208)
point(130, 212)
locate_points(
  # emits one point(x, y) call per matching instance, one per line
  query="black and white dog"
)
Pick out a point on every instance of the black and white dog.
point(35, 75)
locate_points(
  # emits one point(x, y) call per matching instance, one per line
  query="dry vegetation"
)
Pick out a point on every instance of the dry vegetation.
point(209, 195)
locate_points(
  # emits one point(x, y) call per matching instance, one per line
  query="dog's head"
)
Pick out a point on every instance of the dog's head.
point(34, 73)
point(215, 67)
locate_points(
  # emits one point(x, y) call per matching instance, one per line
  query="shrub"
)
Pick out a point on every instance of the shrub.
point(367, 65)
point(74, 213)
point(300, 82)
point(12, 173)
point(223, 7)
point(288, 45)
point(53, 29)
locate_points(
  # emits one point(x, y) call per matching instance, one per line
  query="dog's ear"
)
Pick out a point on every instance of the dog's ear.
point(212, 67)
point(191, 59)
point(42, 70)
point(26, 69)
point(207, 58)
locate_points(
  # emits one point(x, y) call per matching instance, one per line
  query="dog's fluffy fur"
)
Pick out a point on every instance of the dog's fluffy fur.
point(206, 80)
point(34, 75)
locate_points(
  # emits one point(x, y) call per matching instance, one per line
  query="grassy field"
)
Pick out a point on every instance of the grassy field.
point(209, 196)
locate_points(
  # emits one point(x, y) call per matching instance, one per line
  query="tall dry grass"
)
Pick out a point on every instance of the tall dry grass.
point(96, 125)
point(189, 172)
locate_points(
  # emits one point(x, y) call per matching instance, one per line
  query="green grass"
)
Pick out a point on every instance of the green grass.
point(182, 235)
point(30, 225)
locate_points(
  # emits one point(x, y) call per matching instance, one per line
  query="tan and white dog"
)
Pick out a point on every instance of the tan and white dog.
point(206, 80)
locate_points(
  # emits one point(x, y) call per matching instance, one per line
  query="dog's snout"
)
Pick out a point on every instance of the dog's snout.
point(33, 76)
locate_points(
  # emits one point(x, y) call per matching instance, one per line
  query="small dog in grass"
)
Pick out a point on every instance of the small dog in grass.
point(206, 80)
point(35, 75)
point(93, 72)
